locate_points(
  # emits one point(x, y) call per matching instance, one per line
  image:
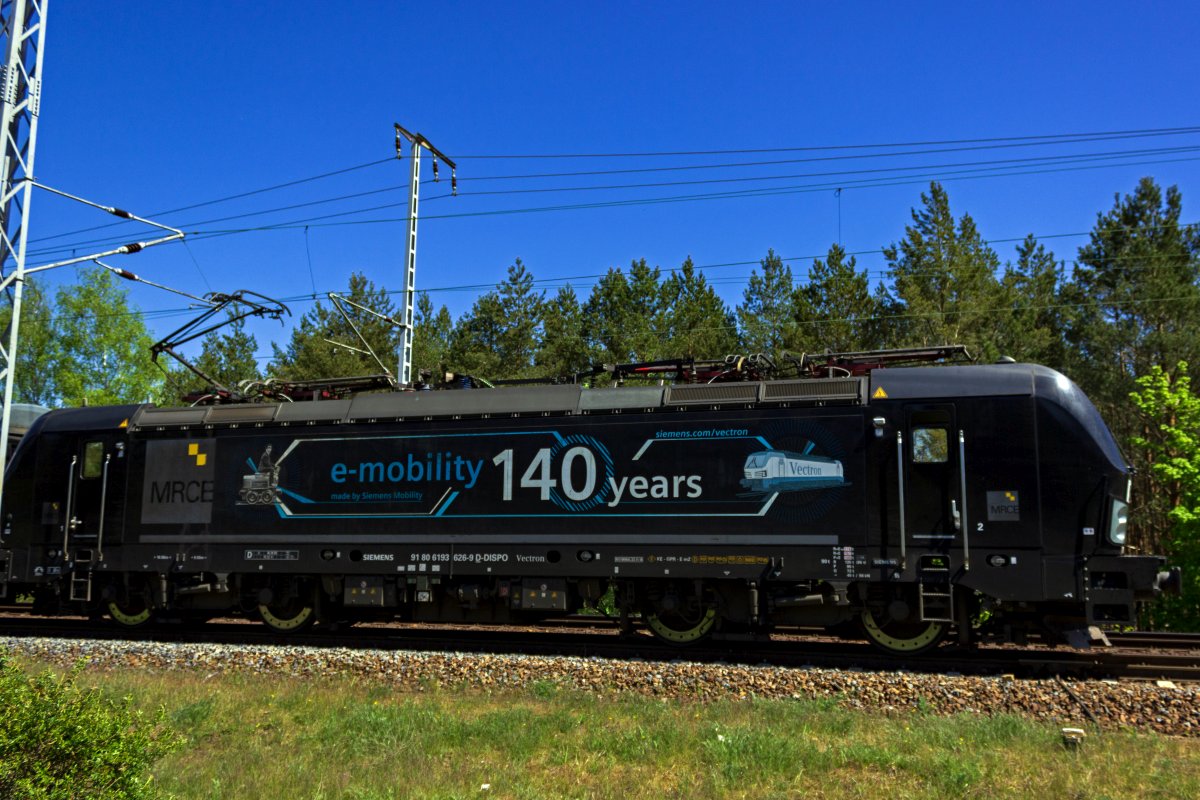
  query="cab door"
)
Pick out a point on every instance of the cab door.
point(933, 505)
point(94, 497)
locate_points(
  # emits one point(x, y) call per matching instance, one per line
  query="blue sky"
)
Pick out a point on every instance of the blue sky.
point(153, 106)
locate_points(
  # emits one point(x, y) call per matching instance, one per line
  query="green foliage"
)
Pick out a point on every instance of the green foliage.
point(61, 741)
point(835, 310)
point(565, 349)
point(431, 337)
point(1034, 329)
point(39, 347)
point(90, 348)
point(228, 355)
point(343, 735)
point(945, 275)
point(499, 336)
point(1170, 410)
point(622, 314)
point(766, 316)
point(693, 320)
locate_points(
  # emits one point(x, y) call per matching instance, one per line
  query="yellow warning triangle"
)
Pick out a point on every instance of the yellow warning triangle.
point(124, 424)
point(879, 394)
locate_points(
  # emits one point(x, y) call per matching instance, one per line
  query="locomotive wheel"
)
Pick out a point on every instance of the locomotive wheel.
point(133, 613)
point(901, 637)
point(679, 629)
point(681, 619)
point(293, 614)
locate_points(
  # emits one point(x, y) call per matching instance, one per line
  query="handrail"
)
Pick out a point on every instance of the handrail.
point(900, 473)
point(962, 477)
point(103, 507)
point(70, 506)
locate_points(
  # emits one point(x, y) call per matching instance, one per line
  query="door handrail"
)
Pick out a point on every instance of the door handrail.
point(962, 477)
point(70, 510)
point(103, 508)
point(900, 474)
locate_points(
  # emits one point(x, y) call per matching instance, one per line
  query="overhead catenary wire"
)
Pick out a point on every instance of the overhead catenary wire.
point(323, 221)
point(988, 143)
point(979, 165)
point(1053, 136)
point(231, 197)
point(756, 193)
point(843, 185)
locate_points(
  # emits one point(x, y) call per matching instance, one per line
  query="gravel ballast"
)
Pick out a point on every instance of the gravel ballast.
point(1165, 709)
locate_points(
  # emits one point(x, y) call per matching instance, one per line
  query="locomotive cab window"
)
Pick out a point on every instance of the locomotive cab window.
point(93, 459)
point(930, 446)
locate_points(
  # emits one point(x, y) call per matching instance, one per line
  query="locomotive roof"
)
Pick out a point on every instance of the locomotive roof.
point(976, 380)
point(522, 400)
point(897, 383)
point(93, 418)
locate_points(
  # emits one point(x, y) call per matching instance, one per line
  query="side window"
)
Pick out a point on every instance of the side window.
point(930, 446)
point(93, 459)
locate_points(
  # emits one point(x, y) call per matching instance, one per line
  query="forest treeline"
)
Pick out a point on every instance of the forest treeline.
point(1124, 306)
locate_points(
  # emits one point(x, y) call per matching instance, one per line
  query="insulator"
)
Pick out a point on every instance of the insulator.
point(133, 247)
point(453, 182)
point(127, 275)
point(120, 212)
point(435, 172)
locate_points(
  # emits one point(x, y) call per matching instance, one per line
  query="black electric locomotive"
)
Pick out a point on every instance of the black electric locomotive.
point(903, 500)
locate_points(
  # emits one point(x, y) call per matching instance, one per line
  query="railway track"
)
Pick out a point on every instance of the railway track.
point(1142, 657)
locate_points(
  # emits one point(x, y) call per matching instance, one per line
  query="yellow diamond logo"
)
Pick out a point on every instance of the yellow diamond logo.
point(194, 451)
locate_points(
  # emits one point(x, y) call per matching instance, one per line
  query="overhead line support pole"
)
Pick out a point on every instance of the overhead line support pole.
point(416, 143)
point(23, 28)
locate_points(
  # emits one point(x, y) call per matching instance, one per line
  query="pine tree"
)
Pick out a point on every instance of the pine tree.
point(1137, 289)
point(475, 342)
point(835, 309)
point(693, 321)
point(767, 315)
point(564, 349)
point(1035, 327)
point(431, 337)
point(499, 336)
point(622, 315)
point(945, 276)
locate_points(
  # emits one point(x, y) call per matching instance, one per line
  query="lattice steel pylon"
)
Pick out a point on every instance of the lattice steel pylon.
point(24, 33)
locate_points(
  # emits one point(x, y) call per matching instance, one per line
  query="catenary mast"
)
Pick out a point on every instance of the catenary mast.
point(416, 142)
point(24, 31)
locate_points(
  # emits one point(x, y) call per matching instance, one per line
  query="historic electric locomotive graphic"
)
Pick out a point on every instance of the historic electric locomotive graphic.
point(782, 471)
point(261, 487)
point(902, 499)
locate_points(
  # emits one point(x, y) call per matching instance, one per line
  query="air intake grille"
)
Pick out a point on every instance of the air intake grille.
point(712, 394)
point(813, 389)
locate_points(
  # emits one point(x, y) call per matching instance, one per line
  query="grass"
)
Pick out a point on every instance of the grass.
point(254, 736)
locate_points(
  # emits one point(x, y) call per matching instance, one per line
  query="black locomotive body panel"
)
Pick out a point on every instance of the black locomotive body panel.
point(845, 494)
point(634, 492)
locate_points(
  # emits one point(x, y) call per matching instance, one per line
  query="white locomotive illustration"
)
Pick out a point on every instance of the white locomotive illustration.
point(785, 471)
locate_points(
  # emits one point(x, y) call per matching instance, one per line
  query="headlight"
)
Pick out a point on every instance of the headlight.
point(1118, 523)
